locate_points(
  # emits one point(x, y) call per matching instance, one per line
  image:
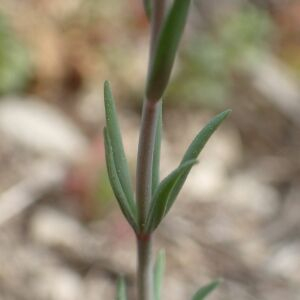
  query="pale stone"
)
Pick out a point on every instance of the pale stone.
point(41, 128)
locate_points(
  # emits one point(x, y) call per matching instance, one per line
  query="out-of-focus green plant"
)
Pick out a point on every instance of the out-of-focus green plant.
point(14, 60)
point(147, 207)
point(209, 60)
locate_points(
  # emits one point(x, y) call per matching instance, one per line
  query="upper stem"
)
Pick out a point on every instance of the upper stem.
point(146, 145)
point(145, 159)
point(149, 122)
point(150, 118)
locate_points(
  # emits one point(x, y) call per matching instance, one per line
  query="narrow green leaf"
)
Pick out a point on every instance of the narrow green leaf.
point(165, 51)
point(159, 203)
point(156, 153)
point(203, 136)
point(125, 204)
point(169, 188)
point(206, 290)
point(116, 143)
point(194, 150)
point(148, 8)
point(121, 289)
point(159, 270)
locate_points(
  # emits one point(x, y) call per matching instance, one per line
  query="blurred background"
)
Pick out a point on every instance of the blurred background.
point(62, 236)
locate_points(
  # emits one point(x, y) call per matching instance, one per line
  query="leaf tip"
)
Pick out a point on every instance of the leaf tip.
point(162, 253)
point(121, 289)
point(227, 112)
point(107, 90)
point(121, 280)
point(223, 115)
point(106, 84)
point(218, 281)
point(206, 290)
point(161, 257)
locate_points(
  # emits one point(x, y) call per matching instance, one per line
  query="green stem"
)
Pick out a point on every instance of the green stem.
point(144, 194)
point(145, 272)
point(150, 116)
point(145, 158)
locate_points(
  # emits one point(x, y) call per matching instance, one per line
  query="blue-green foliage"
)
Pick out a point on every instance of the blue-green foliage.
point(116, 161)
point(169, 188)
point(203, 292)
point(165, 192)
point(166, 49)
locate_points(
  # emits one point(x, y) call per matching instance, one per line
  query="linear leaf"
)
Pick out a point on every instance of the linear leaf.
point(200, 140)
point(116, 143)
point(161, 197)
point(194, 150)
point(124, 203)
point(156, 153)
point(121, 289)
point(159, 269)
point(165, 51)
point(206, 290)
